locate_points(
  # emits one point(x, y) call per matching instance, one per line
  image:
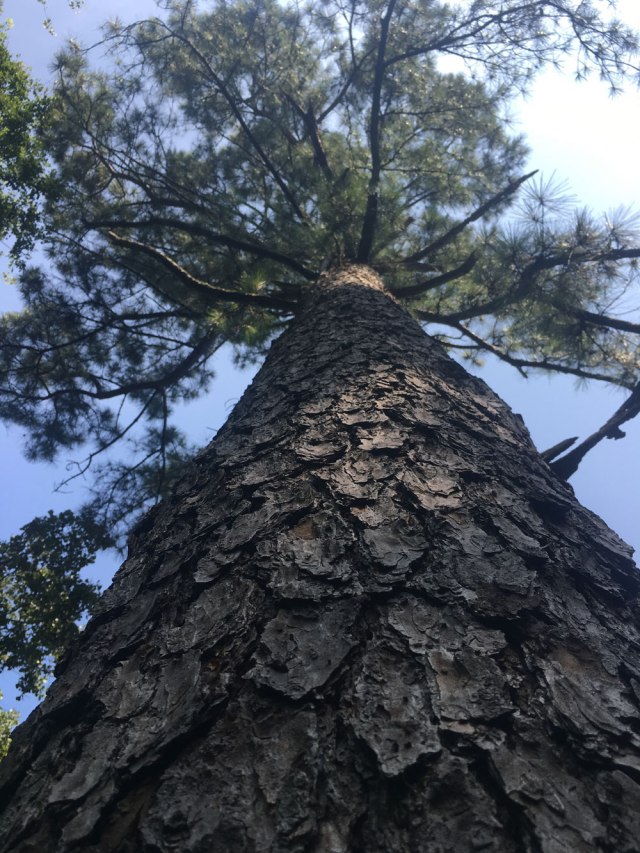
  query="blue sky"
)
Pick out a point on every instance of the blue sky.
point(574, 130)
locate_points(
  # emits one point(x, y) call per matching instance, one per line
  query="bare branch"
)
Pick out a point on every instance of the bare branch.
point(567, 465)
point(558, 448)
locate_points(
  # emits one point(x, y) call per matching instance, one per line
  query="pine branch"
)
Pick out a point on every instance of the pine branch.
point(485, 345)
point(140, 175)
point(116, 320)
point(567, 465)
point(548, 262)
point(313, 134)
point(451, 40)
point(602, 320)
point(86, 463)
point(415, 290)
point(578, 256)
point(197, 285)
point(521, 364)
point(526, 280)
point(478, 213)
point(356, 66)
point(371, 211)
point(253, 141)
point(203, 349)
point(464, 314)
point(250, 246)
point(594, 38)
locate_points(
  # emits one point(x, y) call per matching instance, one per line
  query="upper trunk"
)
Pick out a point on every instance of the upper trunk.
point(370, 619)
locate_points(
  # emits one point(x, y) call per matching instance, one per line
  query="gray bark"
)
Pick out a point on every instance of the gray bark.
point(371, 618)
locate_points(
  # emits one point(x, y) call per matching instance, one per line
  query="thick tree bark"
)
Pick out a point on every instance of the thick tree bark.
point(371, 618)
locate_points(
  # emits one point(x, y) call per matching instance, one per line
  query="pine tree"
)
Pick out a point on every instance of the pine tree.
point(217, 160)
point(369, 616)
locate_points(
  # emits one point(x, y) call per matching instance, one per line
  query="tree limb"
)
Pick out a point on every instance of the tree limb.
point(525, 282)
point(254, 142)
point(371, 211)
point(201, 350)
point(567, 465)
point(521, 364)
point(313, 133)
point(415, 290)
point(202, 287)
point(250, 246)
point(599, 319)
point(579, 256)
point(558, 448)
point(478, 213)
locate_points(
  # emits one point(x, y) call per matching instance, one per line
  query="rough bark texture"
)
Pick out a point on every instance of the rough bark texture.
point(370, 619)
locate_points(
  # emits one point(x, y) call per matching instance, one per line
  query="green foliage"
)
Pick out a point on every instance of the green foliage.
point(8, 719)
point(23, 173)
point(42, 595)
point(211, 162)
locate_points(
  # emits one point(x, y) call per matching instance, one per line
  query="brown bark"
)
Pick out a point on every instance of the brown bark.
point(371, 618)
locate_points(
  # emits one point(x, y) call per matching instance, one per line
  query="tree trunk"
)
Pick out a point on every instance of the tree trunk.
point(370, 619)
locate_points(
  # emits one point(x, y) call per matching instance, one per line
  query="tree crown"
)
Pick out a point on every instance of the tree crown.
point(211, 162)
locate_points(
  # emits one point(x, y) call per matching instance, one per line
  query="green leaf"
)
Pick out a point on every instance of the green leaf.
point(42, 593)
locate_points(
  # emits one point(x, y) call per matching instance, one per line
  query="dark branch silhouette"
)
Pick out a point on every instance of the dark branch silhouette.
point(567, 465)
point(421, 287)
point(602, 320)
point(557, 449)
point(370, 218)
point(312, 132)
point(526, 281)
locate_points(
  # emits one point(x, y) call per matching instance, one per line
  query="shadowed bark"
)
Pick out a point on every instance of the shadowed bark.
point(371, 618)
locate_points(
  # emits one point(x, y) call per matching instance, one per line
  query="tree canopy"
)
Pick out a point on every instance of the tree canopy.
point(42, 593)
point(211, 162)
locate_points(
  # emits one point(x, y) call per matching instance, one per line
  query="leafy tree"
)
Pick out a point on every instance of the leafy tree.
point(8, 719)
point(23, 173)
point(42, 593)
point(24, 177)
point(220, 157)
